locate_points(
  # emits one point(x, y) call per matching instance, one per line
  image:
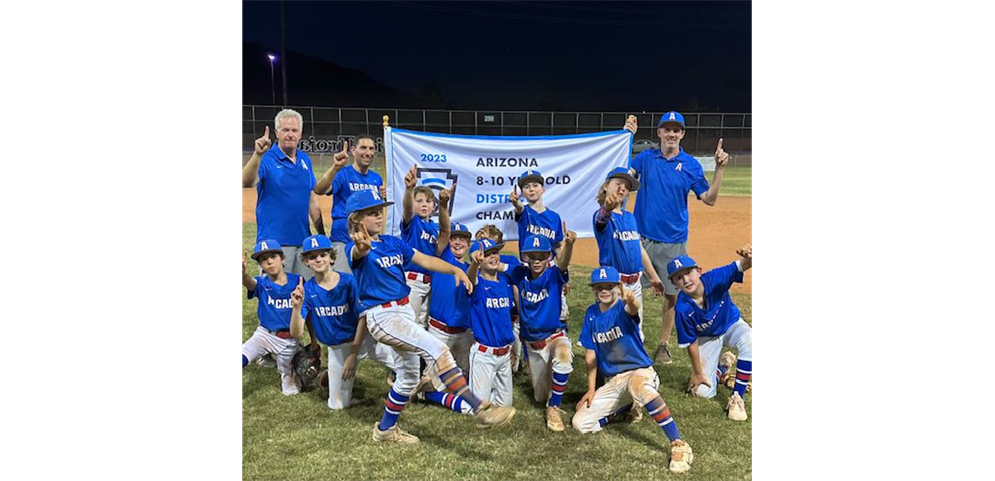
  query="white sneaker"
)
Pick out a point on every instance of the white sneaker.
point(736, 408)
point(553, 419)
point(492, 416)
point(393, 435)
point(680, 456)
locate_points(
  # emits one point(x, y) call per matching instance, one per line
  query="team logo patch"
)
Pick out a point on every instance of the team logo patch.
point(265, 246)
point(314, 242)
point(439, 180)
point(535, 242)
point(602, 274)
point(672, 116)
point(677, 263)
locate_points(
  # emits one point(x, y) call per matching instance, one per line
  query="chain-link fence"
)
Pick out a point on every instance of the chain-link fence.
point(326, 127)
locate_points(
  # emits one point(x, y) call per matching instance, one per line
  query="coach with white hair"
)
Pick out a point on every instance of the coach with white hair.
point(284, 178)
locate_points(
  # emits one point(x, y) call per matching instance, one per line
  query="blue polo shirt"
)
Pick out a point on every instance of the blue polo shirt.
point(284, 194)
point(662, 203)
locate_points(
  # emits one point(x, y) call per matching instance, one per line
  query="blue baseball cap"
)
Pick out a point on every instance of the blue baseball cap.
point(605, 275)
point(485, 245)
point(671, 116)
point(623, 173)
point(316, 243)
point(264, 246)
point(535, 243)
point(529, 176)
point(364, 199)
point(679, 264)
point(460, 230)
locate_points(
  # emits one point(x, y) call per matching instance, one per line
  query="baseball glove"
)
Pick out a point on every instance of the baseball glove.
point(307, 365)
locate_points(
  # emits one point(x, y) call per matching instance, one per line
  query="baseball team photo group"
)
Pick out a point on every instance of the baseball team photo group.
point(496, 240)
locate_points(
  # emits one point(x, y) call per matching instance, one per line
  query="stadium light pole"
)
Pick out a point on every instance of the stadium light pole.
point(272, 83)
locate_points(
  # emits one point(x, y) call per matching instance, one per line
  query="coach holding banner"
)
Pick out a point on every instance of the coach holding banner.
point(668, 175)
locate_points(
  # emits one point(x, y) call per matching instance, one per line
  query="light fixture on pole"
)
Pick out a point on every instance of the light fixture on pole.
point(272, 83)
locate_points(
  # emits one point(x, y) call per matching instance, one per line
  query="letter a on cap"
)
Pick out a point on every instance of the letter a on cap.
point(535, 242)
point(672, 116)
point(264, 246)
point(603, 274)
point(376, 195)
point(677, 262)
point(314, 242)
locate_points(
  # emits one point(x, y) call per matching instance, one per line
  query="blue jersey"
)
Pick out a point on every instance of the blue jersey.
point(662, 204)
point(540, 301)
point(347, 181)
point(719, 313)
point(547, 224)
point(618, 243)
point(333, 313)
point(613, 335)
point(380, 273)
point(448, 303)
point(421, 235)
point(275, 307)
point(283, 197)
point(512, 263)
point(490, 315)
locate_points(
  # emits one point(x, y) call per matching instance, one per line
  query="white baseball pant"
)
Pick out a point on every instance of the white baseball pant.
point(617, 392)
point(738, 336)
point(490, 375)
point(419, 297)
point(395, 326)
point(339, 391)
point(555, 356)
point(459, 346)
point(264, 342)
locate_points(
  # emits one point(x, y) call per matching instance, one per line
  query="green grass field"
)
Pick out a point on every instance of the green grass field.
point(736, 181)
point(298, 437)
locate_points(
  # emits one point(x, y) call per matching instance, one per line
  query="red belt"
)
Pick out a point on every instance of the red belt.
point(444, 328)
point(426, 278)
point(498, 351)
point(541, 344)
point(402, 302)
point(284, 334)
point(629, 278)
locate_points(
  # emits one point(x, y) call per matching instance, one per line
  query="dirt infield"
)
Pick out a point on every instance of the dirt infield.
point(716, 232)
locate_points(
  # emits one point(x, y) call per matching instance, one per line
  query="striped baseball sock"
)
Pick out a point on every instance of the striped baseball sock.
point(661, 414)
point(611, 417)
point(455, 383)
point(744, 369)
point(450, 401)
point(393, 405)
point(559, 384)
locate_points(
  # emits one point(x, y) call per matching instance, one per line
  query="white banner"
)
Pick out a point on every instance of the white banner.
point(484, 170)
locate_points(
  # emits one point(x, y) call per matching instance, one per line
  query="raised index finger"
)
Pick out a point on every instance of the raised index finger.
point(266, 133)
point(719, 147)
point(345, 146)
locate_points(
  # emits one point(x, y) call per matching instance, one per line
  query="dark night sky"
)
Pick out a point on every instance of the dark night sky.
point(518, 55)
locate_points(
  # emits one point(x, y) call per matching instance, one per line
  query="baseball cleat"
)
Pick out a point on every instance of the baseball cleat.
point(662, 355)
point(393, 435)
point(680, 456)
point(492, 416)
point(553, 419)
point(266, 361)
point(736, 408)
